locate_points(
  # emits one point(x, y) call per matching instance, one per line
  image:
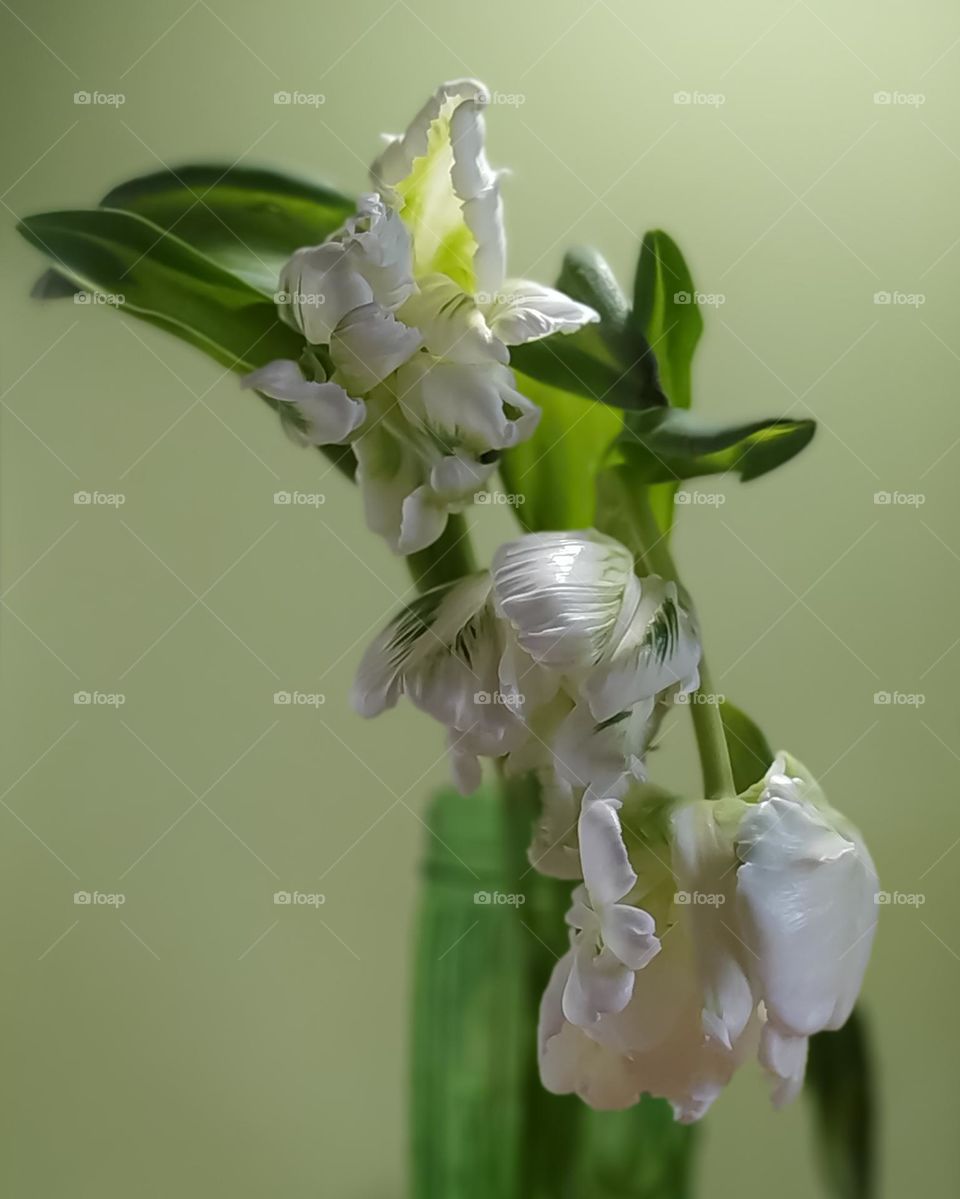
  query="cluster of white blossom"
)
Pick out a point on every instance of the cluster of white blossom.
point(409, 307)
point(702, 930)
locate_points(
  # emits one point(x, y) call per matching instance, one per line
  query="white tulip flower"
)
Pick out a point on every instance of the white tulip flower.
point(764, 942)
point(410, 306)
point(554, 660)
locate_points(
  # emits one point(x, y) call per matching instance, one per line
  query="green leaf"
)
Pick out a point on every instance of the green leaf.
point(575, 364)
point(551, 475)
point(665, 311)
point(159, 278)
point(249, 220)
point(153, 275)
point(672, 328)
point(750, 752)
point(839, 1083)
point(585, 275)
point(670, 444)
point(608, 361)
point(472, 1034)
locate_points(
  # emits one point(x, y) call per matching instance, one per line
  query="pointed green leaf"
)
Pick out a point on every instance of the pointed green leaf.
point(665, 310)
point(670, 444)
point(154, 275)
point(249, 220)
point(609, 361)
point(750, 752)
point(840, 1085)
point(662, 288)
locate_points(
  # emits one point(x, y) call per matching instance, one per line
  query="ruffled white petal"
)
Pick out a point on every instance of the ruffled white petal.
point(380, 249)
point(705, 864)
point(437, 176)
point(318, 287)
point(605, 757)
point(607, 872)
point(785, 1060)
point(564, 594)
point(388, 470)
point(629, 934)
point(457, 478)
point(431, 622)
point(554, 849)
point(657, 651)
point(526, 311)
point(369, 344)
point(422, 520)
point(442, 651)
point(452, 325)
point(572, 1062)
point(598, 985)
point(464, 404)
point(329, 415)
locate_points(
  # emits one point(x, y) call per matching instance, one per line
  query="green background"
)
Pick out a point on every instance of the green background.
point(200, 1040)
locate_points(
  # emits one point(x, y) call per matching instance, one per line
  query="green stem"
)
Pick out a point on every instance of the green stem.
point(704, 709)
point(448, 559)
point(711, 740)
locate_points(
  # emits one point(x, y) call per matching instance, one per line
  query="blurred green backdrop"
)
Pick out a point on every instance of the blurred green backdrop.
point(200, 1040)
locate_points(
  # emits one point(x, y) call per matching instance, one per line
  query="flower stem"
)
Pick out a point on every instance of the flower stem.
point(449, 558)
point(704, 708)
point(711, 740)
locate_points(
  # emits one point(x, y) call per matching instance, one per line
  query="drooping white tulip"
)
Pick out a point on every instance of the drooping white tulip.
point(409, 305)
point(507, 662)
point(764, 942)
